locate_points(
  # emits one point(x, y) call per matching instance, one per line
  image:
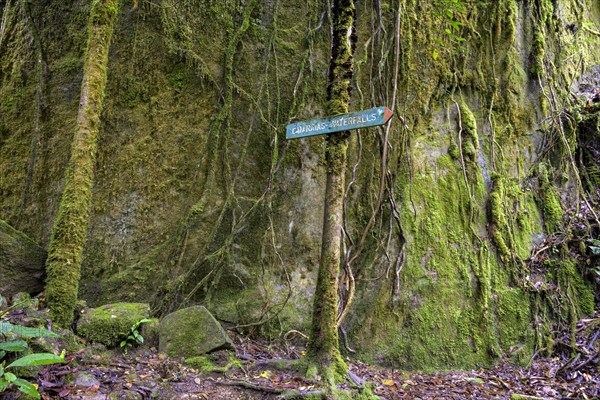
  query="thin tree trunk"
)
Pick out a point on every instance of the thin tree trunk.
point(323, 350)
point(63, 265)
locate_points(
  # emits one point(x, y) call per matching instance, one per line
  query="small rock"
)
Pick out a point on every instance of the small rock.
point(86, 380)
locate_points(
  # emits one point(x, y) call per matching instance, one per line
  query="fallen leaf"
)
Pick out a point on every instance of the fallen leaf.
point(476, 380)
point(388, 382)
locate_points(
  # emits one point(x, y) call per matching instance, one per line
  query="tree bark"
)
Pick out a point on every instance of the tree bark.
point(323, 350)
point(21, 262)
point(70, 226)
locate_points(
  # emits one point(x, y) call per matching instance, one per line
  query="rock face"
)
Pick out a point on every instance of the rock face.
point(198, 196)
point(108, 324)
point(21, 262)
point(192, 332)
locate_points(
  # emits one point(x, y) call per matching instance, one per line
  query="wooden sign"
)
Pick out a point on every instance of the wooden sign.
point(356, 120)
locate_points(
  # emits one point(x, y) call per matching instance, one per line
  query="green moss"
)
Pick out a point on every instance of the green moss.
point(574, 286)
point(70, 228)
point(192, 332)
point(538, 53)
point(111, 323)
point(454, 151)
point(207, 364)
point(469, 126)
point(550, 202)
point(499, 223)
point(202, 363)
point(166, 211)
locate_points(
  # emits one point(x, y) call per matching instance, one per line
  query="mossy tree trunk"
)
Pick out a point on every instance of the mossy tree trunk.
point(63, 265)
point(323, 351)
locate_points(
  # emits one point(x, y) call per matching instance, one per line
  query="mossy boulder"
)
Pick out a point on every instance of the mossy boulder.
point(191, 332)
point(110, 323)
point(149, 332)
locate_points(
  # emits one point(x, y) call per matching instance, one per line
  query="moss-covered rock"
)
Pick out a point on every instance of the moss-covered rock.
point(110, 323)
point(150, 332)
point(192, 332)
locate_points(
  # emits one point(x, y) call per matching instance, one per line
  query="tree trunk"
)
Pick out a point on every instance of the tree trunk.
point(21, 262)
point(70, 227)
point(323, 351)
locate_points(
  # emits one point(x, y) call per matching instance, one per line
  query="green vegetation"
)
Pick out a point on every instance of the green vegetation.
point(210, 363)
point(133, 336)
point(112, 324)
point(63, 264)
point(17, 345)
point(197, 196)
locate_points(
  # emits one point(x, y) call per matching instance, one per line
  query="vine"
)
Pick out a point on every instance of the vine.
point(41, 72)
point(203, 275)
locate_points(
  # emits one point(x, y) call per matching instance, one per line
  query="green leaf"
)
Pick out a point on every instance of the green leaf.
point(10, 377)
point(3, 384)
point(36, 359)
point(476, 380)
point(6, 327)
point(27, 387)
point(2, 354)
point(595, 250)
point(455, 24)
point(435, 54)
point(14, 345)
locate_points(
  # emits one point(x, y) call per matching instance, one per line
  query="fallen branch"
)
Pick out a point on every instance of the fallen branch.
point(249, 385)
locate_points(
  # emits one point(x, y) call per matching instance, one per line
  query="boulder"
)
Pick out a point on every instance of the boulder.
point(21, 262)
point(111, 323)
point(191, 332)
point(149, 332)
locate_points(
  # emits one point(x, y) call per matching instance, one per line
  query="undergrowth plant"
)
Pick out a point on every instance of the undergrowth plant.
point(134, 335)
point(17, 345)
point(449, 12)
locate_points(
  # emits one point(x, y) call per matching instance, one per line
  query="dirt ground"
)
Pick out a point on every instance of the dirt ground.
point(141, 374)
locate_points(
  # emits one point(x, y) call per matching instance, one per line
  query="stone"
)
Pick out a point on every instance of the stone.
point(111, 323)
point(150, 332)
point(22, 301)
point(86, 380)
point(191, 332)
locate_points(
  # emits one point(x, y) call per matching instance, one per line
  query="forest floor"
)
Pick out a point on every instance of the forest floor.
point(143, 373)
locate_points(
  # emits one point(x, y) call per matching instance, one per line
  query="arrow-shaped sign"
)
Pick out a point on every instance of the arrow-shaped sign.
point(360, 119)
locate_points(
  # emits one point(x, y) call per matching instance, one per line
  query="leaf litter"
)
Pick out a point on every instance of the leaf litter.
point(143, 373)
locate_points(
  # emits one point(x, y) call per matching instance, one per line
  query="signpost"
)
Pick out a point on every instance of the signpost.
point(356, 120)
